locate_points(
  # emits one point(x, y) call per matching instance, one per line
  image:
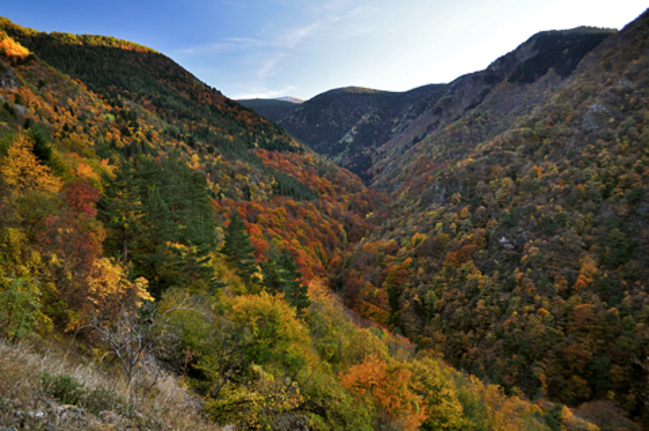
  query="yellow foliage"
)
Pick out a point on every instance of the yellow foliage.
point(588, 268)
point(504, 413)
point(388, 386)
point(418, 238)
point(12, 49)
point(85, 171)
point(275, 327)
point(445, 412)
point(108, 289)
point(22, 169)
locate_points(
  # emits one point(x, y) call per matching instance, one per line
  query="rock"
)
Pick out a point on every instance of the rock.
point(22, 110)
point(109, 417)
point(8, 78)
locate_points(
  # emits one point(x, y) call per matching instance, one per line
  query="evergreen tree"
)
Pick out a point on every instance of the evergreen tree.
point(294, 291)
point(281, 275)
point(120, 209)
point(239, 250)
point(161, 219)
point(275, 276)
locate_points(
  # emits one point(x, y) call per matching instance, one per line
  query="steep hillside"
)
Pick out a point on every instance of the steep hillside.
point(161, 238)
point(123, 71)
point(271, 109)
point(517, 242)
point(488, 102)
point(347, 125)
point(363, 129)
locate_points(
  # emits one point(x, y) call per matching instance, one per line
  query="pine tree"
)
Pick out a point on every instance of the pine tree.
point(239, 250)
point(281, 275)
point(294, 291)
point(161, 219)
point(120, 209)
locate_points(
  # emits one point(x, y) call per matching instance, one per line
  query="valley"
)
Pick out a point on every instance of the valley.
point(470, 255)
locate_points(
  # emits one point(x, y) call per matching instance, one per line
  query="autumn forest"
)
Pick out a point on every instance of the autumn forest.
point(463, 256)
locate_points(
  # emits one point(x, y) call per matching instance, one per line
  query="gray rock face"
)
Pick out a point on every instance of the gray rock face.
point(8, 78)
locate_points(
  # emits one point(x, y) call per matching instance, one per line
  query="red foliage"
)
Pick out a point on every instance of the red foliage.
point(81, 196)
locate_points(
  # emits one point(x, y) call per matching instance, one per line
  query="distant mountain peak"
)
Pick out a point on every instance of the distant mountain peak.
point(290, 99)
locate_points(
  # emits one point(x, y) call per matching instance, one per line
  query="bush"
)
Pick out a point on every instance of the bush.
point(69, 390)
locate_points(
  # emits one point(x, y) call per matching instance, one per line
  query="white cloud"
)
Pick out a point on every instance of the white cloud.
point(264, 93)
point(294, 36)
point(271, 67)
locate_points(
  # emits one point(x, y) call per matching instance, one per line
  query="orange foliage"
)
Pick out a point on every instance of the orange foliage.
point(388, 386)
point(12, 49)
point(22, 169)
point(373, 304)
point(458, 258)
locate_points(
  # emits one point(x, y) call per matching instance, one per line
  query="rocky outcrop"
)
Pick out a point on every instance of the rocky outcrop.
point(8, 78)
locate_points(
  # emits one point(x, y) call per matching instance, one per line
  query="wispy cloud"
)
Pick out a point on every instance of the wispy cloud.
point(271, 67)
point(288, 39)
point(293, 37)
point(269, 48)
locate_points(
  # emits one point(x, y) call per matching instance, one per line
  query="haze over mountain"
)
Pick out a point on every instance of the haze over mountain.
point(159, 228)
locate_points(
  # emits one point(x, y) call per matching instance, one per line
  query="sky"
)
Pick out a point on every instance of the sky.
point(301, 48)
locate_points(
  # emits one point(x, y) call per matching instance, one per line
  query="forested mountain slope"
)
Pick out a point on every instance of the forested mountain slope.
point(517, 238)
point(348, 124)
point(272, 109)
point(363, 129)
point(489, 102)
point(151, 227)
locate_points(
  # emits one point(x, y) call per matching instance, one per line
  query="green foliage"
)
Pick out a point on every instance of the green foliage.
point(20, 308)
point(525, 218)
point(119, 69)
point(238, 249)
point(42, 149)
point(514, 245)
point(161, 219)
point(65, 388)
point(68, 390)
point(444, 409)
point(286, 185)
point(280, 275)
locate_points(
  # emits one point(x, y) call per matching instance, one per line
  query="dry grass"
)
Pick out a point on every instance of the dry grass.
point(37, 379)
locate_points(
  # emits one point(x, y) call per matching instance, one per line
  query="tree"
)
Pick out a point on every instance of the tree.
point(20, 308)
point(280, 275)
point(239, 250)
point(162, 221)
point(445, 412)
point(121, 209)
point(22, 169)
point(388, 387)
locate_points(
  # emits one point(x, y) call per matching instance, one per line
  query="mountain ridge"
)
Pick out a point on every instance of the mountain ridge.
point(516, 239)
point(349, 124)
point(513, 242)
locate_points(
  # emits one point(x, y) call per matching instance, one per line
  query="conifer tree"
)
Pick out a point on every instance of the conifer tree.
point(121, 210)
point(280, 275)
point(239, 250)
point(163, 221)
point(295, 291)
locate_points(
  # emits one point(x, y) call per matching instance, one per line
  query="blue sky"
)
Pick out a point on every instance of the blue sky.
point(274, 48)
